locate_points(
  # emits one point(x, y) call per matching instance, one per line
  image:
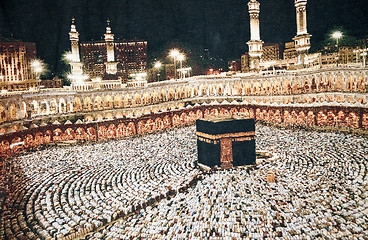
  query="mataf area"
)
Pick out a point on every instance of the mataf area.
point(121, 164)
point(148, 187)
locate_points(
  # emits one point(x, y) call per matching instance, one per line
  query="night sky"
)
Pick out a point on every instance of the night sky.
point(222, 26)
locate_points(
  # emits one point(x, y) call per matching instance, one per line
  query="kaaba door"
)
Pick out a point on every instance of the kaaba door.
point(226, 153)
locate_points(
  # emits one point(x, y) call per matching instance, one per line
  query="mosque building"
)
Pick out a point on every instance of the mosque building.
point(293, 55)
point(105, 64)
point(105, 160)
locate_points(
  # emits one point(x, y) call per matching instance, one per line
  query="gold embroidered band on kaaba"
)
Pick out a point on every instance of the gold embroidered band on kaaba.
point(226, 135)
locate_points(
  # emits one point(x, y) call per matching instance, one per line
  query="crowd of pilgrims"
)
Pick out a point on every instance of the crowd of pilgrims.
point(148, 187)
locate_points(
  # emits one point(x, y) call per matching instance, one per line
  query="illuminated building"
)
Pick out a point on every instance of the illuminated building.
point(339, 92)
point(290, 51)
point(51, 83)
point(15, 69)
point(131, 57)
point(260, 56)
point(347, 54)
point(93, 59)
point(361, 55)
point(272, 51)
point(273, 58)
point(234, 66)
point(107, 63)
point(329, 59)
point(77, 191)
point(245, 63)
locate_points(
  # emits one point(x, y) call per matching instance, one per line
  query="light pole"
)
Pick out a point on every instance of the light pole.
point(37, 67)
point(174, 54)
point(69, 57)
point(158, 66)
point(337, 35)
point(185, 71)
point(181, 58)
point(364, 55)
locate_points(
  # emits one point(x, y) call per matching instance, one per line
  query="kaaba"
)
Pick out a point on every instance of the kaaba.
point(226, 142)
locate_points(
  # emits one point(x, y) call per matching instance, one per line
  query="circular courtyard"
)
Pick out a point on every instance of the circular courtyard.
point(149, 187)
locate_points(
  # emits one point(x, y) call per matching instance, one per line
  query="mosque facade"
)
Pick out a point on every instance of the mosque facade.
point(325, 98)
point(334, 97)
point(104, 64)
point(308, 185)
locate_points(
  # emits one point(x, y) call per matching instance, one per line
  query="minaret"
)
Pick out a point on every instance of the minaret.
point(75, 63)
point(111, 65)
point(255, 43)
point(74, 39)
point(302, 39)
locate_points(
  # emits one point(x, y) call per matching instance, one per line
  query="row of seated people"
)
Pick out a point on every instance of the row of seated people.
point(320, 192)
point(66, 192)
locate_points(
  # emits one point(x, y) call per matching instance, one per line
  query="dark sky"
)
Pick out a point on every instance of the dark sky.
point(222, 26)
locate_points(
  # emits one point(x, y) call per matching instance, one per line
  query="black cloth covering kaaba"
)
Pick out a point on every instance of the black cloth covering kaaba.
point(226, 142)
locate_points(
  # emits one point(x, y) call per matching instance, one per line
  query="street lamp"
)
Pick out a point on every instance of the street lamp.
point(158, 66)
point(37, 67)
point(337, 35)
point(364, 55)
point(181, 58)
point(69, 57)
point(174, 54)
point(186, 70)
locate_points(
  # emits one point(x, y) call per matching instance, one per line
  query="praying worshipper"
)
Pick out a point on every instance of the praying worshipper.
point(148, 187)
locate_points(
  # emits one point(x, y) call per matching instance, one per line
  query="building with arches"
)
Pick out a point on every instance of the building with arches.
point(104, 64)
point(335, 97)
